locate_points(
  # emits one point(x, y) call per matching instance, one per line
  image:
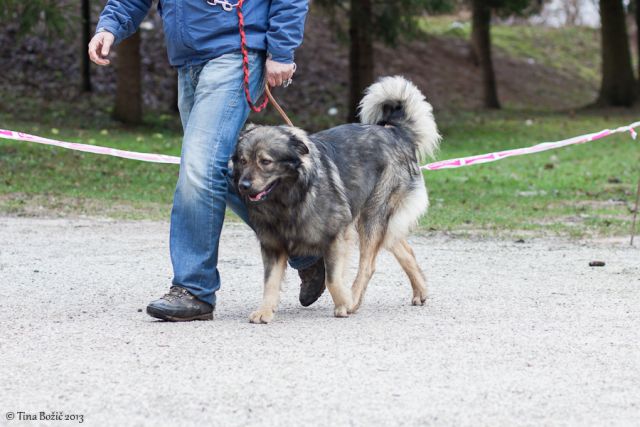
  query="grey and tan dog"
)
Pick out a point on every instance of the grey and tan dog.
point(312, 194)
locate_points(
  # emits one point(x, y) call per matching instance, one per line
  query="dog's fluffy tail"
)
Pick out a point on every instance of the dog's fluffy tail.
point(398, 102)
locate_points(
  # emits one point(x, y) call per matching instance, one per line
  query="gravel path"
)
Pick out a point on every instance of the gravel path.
point(514, 334)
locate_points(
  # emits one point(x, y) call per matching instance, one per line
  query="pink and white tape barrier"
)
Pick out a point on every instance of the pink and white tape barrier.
point(96, 149)
point(444, 164)
point(545, 146)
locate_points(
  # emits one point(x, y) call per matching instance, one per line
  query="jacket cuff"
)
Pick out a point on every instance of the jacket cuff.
point(281, 56)
point(111, 28)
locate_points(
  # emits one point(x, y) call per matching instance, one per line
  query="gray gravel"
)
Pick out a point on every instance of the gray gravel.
point(514, 334)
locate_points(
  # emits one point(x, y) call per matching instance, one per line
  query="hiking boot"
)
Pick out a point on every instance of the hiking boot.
point(312, 285)
point(179, 305)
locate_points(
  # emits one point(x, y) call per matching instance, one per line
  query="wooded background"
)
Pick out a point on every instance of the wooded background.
point(44, 52)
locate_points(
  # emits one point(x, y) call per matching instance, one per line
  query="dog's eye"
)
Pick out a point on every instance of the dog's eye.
point(265, 162)
point(243, 161)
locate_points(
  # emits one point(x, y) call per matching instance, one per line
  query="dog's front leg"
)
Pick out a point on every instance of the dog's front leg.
point(335, 262)
point(275, 264)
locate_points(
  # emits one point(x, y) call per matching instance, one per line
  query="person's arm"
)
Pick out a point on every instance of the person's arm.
point(284, 35)
point(118, 20)
point(286, 28)
point(122, 18)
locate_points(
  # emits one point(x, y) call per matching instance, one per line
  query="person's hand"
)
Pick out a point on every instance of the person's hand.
point(278, 73)
point(99, 47)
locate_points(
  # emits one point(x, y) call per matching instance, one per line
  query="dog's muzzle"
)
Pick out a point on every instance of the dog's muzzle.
point(258, 197)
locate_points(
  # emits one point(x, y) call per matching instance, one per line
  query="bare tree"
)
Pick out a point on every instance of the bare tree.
point(618, 82)
point(481, 43)
point(86, 37)
point(128, 108)
point(637, 16)
point(360, 53)
point(366, 21)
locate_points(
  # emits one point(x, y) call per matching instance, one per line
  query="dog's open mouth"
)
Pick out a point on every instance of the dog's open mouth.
point(264, 193)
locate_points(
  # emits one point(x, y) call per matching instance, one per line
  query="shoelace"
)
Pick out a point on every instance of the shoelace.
point(175, 293)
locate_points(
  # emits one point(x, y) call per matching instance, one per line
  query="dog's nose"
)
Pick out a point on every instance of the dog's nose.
point(244, 184)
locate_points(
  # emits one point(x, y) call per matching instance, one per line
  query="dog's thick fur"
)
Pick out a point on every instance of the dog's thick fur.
point(310, 194)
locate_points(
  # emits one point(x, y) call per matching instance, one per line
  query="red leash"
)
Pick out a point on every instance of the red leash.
point(245, 62)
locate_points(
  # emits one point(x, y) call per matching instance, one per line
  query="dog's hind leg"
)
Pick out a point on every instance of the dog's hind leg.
point(275, 264)
point(335, 260)
point(369, 247)
point(407, 259)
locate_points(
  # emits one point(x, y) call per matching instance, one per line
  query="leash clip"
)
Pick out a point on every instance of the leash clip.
point(226, 6)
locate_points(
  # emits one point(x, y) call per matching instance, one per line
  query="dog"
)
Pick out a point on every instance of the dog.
point(313, 194)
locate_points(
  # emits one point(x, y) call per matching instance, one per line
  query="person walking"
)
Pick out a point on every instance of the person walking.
point(203, 43)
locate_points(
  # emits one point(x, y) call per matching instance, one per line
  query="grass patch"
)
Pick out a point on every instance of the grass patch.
point(581, 190)
point(33, 169)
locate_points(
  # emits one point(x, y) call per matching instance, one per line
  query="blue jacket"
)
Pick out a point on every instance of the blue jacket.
point(196, 31)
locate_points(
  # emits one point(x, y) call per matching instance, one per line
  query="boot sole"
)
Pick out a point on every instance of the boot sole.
point(164, 316)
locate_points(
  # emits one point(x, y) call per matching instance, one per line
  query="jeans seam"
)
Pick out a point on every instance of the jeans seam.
point(226, 115)
point(212, 163)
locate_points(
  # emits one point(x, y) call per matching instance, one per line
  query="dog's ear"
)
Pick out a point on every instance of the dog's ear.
point(299, 145)
point(248, 128)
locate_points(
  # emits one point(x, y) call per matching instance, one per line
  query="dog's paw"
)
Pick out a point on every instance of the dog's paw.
point(353, 308)
point(355, 304)
point(341, 311)
point(419, 298)
point(262, 315)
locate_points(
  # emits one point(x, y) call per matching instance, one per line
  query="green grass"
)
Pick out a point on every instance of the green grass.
point(60, 179)
point(581, 190)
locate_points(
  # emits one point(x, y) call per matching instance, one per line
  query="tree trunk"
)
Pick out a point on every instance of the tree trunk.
point(618, 82)
point(638, 36)
point(360, 53)
point(86, 37)
point(481, 42)
point(128, 107)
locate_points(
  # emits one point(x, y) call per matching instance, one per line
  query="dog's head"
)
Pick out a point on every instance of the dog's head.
point(268, 160)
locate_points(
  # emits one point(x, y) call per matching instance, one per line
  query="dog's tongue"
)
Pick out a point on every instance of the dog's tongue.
point(259, 195)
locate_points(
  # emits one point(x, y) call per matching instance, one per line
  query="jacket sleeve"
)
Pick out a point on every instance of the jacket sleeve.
point(122, 18)
point(286, 28)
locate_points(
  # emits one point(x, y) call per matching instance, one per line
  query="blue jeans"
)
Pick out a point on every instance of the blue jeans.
point(213, 110)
